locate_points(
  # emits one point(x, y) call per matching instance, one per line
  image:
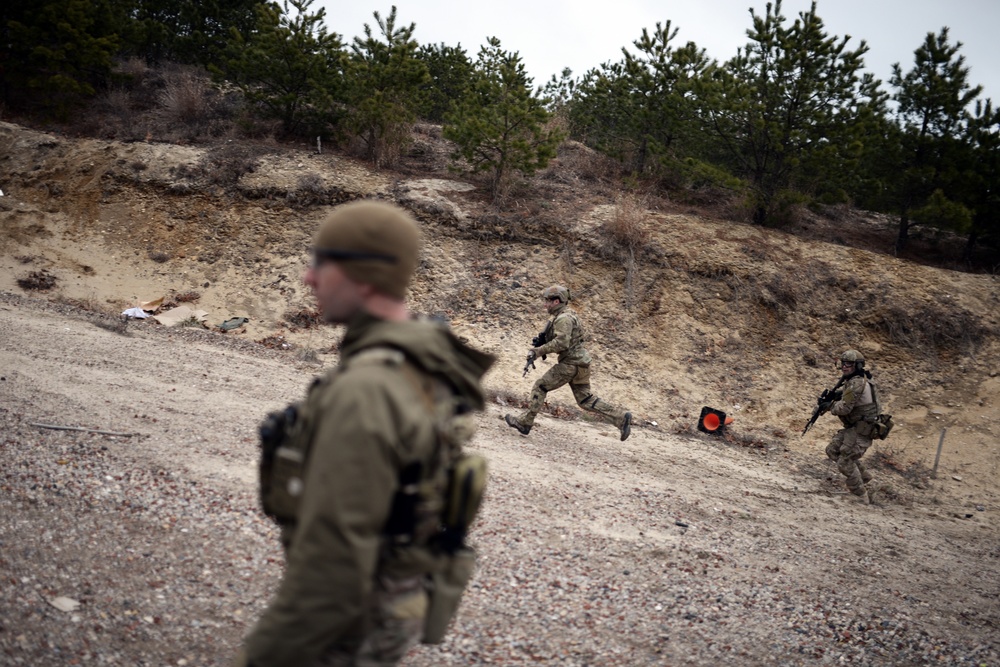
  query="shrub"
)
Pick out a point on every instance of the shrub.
point(226, 164)
point(185, 100)
point(627, 235)
point(303, 318)
point(37, 280)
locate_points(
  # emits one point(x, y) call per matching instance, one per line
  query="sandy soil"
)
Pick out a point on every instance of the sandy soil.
point(671, 548)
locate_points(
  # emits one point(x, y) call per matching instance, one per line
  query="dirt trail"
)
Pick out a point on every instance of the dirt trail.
point(684, 536)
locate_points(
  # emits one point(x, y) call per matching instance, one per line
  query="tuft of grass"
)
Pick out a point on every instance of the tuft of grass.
point(307, 355)
point(303, 318)
point(626, 229)
point(40, 281)
point(310, 191)
point(226, 164)
point(627, 236)
point(185, 99)
point(118, 325)
point(159, 257)
point(890, 458)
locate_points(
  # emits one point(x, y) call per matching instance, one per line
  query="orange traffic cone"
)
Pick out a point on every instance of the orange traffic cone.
point(713, 421)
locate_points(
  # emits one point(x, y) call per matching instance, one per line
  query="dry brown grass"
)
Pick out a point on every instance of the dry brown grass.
point(303, 318)
point(887, 457)
point(627, 236)
point(224, 165)
point(40, 281)
point(579, 161)
point(185, 99)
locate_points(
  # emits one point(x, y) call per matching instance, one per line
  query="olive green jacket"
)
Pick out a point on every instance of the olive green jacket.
point(365, 421)
point(564, 335)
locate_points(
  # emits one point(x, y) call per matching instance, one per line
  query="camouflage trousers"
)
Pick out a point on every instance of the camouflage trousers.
point(846, 448)
point(395, 625)
point(578, 378)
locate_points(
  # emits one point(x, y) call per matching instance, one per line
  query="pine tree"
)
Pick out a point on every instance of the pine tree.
point(54, 53)
point(641, 110)
point(450, 75)
point(933, 100)
point(499, 126)
point(386, 77)
point(984, 130)
point(791, 107)
point(289, 66)
point(187, 31)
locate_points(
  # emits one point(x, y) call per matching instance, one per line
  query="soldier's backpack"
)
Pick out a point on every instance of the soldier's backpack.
point(883, 423)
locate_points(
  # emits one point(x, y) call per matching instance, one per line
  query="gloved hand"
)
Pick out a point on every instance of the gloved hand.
point(532, 355)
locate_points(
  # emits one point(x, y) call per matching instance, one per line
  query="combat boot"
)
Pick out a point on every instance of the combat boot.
point(866, 498)
point(626, 427)
point(513, 423)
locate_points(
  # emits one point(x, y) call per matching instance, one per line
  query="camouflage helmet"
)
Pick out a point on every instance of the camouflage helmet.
point(852, 357)
point(556, 291)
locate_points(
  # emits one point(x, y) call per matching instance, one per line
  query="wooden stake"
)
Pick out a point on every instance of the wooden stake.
point(938, 457)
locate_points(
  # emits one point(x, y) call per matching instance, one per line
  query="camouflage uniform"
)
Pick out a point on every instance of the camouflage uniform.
point(564, 336)
point(351, 596)
point(857, 410)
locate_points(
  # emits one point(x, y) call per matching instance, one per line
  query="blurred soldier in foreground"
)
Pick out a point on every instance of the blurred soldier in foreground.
point(857, 405)
point(563, 335)
point(361, 474)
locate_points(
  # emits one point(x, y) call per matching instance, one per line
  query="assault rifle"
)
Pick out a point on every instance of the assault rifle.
point(536, 341)
point(530, 363)
point(823, 403)
point(543, 337)
point(539, 340)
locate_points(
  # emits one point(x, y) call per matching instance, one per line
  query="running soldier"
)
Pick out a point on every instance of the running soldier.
point(564, 336)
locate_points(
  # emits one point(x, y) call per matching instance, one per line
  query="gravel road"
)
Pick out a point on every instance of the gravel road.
point(668, 549)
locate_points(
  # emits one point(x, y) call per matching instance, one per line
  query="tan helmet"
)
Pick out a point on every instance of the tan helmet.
point(853, 357)
point(556, 291)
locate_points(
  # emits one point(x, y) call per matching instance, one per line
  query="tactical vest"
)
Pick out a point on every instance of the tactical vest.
point(436, 500)
point(863, 416)
point(576, 337)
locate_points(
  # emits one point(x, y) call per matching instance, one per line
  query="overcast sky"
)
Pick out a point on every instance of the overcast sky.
point(582, 34)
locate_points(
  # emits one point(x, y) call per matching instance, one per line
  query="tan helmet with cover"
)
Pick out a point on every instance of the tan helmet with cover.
point(556, 291)
point(852, 357)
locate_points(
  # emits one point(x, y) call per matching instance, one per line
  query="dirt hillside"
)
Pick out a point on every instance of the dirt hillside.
point(670, 548)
